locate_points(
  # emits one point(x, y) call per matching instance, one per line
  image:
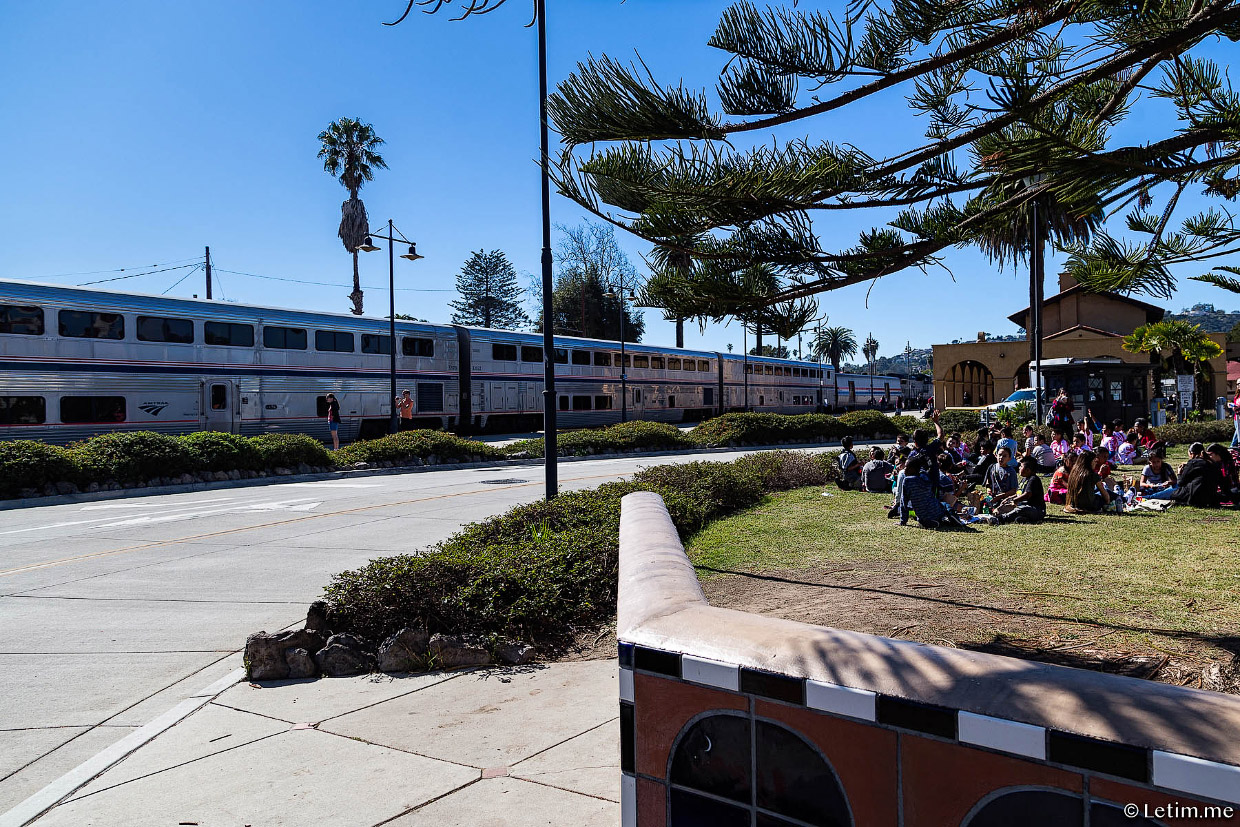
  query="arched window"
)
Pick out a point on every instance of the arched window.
point(727, 771)
point(1038, 808)
point(969, 384)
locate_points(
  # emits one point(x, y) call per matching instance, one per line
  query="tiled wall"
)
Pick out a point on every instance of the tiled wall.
point(711, 744)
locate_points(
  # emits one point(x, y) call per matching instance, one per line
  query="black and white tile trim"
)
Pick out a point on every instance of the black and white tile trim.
point(1181, 773)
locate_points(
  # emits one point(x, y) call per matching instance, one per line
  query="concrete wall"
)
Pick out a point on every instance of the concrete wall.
point(725, 714)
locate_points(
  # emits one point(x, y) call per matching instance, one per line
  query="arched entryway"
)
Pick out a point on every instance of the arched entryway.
point(968, 384)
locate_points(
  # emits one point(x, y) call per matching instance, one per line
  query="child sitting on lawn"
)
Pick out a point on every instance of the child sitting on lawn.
point(1060, 444)
point(1027, 503)
point(850, 467)
point(1043, 455)
point(1127, 453)
point(1086, 492)
point(1057, 492)
point(876, 474)
point(1158, 481)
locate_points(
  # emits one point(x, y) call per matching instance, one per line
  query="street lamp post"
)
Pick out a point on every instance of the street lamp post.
point(624, 363)
point(368, 246)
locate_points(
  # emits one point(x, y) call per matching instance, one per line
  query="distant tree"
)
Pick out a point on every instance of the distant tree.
point(774, 351)
point(1234, 334)
point(1182, 348)
point(729, 347)
point(833, 344)
point(592, 264)
point(490, 295)
point(870, 351)
point(347, 148)
point(405, 317)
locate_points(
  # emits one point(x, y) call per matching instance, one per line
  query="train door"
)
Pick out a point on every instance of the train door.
point(220, 406)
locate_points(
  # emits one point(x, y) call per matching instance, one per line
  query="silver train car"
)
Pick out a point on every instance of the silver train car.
point(76, 362)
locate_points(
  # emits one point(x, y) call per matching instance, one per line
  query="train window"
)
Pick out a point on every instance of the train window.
point(641, 361)
point(23, 410)
point(581, 357)
point(767, 370)
point(656, 363)
point(430, 396)
point(761, 400)
point(671, 401)
point(708, 396)
point(779, 371)
point(413, 346)
point(159, 329)
point(627, 360)
point(20, 319)
point(748, 368)
point(377, 343)
point(581, 403)
point(673, 364)
point(333, 341)
point(531, 354)
point(703, 365)
point(79, 409)
point(504, 353)
point(602, 403)
point(602, 360)
point(320, 406)
point(228, 334)
point(564, 403)
point(83, 324)
point(219, 397)
point(637, 395)
point(282, 338)
point(561, 356)
point(689, 365)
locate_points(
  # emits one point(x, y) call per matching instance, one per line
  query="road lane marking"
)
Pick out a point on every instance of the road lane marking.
point(197, 537)
point(153, 505)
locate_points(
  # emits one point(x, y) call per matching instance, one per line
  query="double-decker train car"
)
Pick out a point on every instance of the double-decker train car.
point(79, 362)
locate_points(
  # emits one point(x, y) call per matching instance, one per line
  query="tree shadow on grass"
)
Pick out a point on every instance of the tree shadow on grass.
point(1227, 642)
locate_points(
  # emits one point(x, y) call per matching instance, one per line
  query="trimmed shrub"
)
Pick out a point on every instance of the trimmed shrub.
point(290, 450)
point(1185, 433)
point(767, 429)
point(25, 463)
point(638, 435)
point(785, 470)
point(536, 571)
point(962, 421)
point(406, 445)
point(131, 457)
point(869, 423)
point(215, 451)
point(907, 423)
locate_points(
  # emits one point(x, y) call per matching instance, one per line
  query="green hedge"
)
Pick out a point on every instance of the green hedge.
point(25, 463)
point(290, 450)
point(420, 444)
point(223, 452)
point(772, 429)
point(132, 457)
point(963, 421)
point(538, 570)
point(1185, 433)
point(627, 436)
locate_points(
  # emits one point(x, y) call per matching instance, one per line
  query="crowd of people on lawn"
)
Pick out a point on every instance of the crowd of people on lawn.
point(994, 478)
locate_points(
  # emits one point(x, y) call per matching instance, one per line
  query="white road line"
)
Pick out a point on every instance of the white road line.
point(154, 505)
point(149, 519)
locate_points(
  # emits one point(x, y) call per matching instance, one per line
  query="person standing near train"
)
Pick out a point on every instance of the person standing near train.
point(333, 420)
point(404, 406)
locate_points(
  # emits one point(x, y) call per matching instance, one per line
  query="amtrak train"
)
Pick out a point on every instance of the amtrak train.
point(76, 362)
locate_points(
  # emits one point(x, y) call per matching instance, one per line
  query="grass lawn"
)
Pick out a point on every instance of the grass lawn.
point(1137, 593)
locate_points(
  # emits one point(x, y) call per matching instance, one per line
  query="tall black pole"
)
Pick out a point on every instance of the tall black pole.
point(208, 272)
point(1034, 322)
point(745, 356)
point(624, 366)
point(394, 425)
point(549, 398)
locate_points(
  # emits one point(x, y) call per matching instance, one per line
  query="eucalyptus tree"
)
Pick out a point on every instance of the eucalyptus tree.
point(1019, 102)
point(347, 148)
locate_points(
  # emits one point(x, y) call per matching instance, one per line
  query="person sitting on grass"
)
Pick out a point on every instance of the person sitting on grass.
point(850, 467)
point(1057, 491)
point(1060, 444)
point(900, 447)
point(985, 460)
point(1086, 492)
point(1199, 480)
point(1102, 463)
point(1043, 455)
point(1026, 504)
point(920, 490)
point(1079, 443)
point(1147, 440)
point(1109, 439)
point(876, 474)
point(1229, 476)
point(1000, 479)
point(1127, 452)
point(1157, 479)
point(1006, 441)
point(1030, 441)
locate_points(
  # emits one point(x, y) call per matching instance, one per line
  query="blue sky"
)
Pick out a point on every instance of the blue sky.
point(138, 132)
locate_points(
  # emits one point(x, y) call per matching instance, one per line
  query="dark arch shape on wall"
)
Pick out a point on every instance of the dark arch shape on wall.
point(1040, 807)
point(968, 384)
point(727, 768)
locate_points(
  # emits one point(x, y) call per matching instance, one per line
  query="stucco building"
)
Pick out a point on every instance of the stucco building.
point(1082, 349)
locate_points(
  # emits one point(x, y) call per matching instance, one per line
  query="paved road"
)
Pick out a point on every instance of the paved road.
point(113, 612)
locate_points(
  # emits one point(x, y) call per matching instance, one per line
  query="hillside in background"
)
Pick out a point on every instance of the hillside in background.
point(1210, 319)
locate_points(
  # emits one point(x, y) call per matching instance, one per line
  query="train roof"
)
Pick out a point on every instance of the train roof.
point(496, 335)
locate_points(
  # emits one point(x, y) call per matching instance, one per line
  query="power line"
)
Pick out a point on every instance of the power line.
point(135, 275)
point(113, 270)
point(181, 279)
point(327, 283)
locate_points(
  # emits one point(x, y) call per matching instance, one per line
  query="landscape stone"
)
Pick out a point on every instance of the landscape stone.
point(515, 653)
point(266, 656)
point(343, 656)
point(404, 651)
point(450, 651)
point(300, 664)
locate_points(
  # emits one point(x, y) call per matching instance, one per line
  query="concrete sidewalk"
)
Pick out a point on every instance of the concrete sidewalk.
point(536, 745)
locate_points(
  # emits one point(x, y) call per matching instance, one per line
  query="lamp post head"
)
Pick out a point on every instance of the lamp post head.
point(367, 246)
point(412, 255)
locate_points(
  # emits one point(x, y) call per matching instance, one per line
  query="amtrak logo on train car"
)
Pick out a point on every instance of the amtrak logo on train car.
point(153, 408)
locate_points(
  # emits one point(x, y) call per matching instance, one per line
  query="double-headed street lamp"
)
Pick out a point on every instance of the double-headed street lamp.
point(368, 246)
point(612, 293)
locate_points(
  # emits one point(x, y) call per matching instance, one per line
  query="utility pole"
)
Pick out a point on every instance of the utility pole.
point(551, 481)
point(208, 272)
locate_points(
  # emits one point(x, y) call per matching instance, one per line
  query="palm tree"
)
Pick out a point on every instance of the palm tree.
point(834, 344)
point(870, 351)
point(1182, 348)
point(348, 153)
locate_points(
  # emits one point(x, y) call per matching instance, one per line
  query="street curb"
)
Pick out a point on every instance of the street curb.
point(45, 799)
point(223, 485)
